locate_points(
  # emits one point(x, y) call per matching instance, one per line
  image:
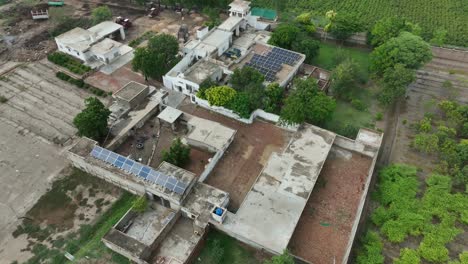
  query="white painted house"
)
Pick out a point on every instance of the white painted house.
point(94, 44)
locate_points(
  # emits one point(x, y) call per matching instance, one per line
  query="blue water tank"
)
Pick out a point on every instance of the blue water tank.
point(219, 211)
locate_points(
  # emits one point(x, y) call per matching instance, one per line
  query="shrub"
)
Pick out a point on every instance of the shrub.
point(141, 204)
point(358, 105)
point(379, 116)
point(178, 154)
point(220, 95)
point(371, 250)
point(408, 256)
point(3, 99)
point(68, 62)
point(240, 104)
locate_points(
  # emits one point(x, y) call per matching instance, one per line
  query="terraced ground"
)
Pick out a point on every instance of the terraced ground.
point(40, 103)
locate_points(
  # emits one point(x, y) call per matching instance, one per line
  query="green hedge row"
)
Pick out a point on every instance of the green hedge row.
point(68, 62)
point(81, 84)
point(147, 35)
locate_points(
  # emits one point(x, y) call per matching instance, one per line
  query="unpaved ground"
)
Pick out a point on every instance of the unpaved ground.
point(244, 159)
point(324, 228)
point(88, 197)
point(39, 102)
point(113, 82)
point(422, 97)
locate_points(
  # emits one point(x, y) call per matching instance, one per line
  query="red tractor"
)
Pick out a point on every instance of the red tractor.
point(125, 22)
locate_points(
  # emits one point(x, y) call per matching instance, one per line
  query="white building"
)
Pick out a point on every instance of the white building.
point(258, 18)
point(94, 44)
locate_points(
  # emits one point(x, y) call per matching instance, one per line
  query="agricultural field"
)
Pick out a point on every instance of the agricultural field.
point(451, 15)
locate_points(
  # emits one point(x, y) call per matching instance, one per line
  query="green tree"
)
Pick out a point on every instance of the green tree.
point(141, 204)
point(100, 14)
point(307, 104)
point(274, 95)
point(158, 57)
point(243, 78)
point(345, 79)
point(285, 258)
point(395, 80)
point(92, 121)
point(428, 143)
point(388, 28)
point(345, 25)
point(220, 95)
point(407, 49)
point(178, 154)
point(205, 85)
point(250, 81)
point(240, 104)
point(439, 37)
point(308, 47)
point(213, 17)
point(284, 36)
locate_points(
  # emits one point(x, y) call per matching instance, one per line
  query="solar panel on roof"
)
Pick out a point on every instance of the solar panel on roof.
point(138, 169)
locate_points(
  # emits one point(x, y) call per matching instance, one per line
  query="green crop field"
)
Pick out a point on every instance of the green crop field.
point(451, 15)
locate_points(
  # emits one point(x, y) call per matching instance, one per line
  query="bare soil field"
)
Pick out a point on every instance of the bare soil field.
point(39, 102)
point(75, 200)
point(422, 97)
point(324, 228)
point(245, 158)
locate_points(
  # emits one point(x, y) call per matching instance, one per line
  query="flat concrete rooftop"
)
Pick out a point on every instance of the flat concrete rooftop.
point(200, 71)
point(209, 132)
point(105, 46)
point(272, 208)
point(147, 226)
point(130, 91)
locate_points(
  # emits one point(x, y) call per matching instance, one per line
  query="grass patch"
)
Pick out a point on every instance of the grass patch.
point(90, 241)
point(347, 120)
point(220, 248)
point(328, 57)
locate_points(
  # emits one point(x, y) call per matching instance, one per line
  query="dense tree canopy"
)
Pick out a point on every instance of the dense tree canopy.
point(394, 83)
point(284, 35)
point(390, 27)
point(307, 104)
point(92, 121)
point(345, 78)
point(308, 47)
point(344, 25)
point(100, 14)
point(407, 49)
point(158, 57)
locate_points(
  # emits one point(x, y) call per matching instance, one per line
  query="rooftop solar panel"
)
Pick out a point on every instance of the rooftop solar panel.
point(138, 169)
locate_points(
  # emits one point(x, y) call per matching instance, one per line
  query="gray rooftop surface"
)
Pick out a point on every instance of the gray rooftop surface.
point(148, 226)
point(209, 132)
point(105, 46)
point(105, 28)
point(130, 90)
point(217, 37)
point(201, 71)
point(170, 114)
point(272, 208)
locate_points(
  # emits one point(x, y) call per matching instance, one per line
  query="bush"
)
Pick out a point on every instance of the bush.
point(3, 99)
point(68, 62)
point(178, 154)
point(358, 105)
point(408, 256)
point(371, 249)
point(141, 204)
point(220, 95)
point(379, 116)
point(80, 83)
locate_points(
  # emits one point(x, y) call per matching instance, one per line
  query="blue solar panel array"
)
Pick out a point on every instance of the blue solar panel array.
point(138, 169)
point(271, 63)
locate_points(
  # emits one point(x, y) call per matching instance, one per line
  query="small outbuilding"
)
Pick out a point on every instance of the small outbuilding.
point(132, 94)
point(170, 115)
